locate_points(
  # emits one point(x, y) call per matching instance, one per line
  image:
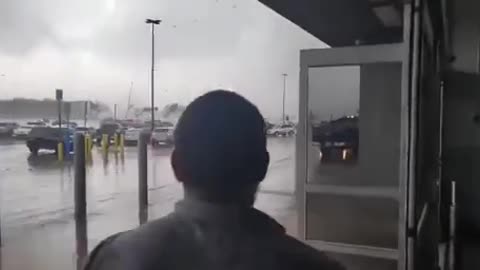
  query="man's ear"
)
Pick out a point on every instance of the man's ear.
point(175, 161)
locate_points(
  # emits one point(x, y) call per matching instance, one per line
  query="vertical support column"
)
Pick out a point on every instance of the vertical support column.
point(409, 101)
point(80, 200)
point(453, 218)
point(142, 178)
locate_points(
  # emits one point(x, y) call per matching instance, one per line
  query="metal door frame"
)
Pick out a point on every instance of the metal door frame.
point(397, 53)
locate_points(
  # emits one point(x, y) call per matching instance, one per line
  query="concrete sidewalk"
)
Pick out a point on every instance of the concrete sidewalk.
point(52, 245)
point(38, 227)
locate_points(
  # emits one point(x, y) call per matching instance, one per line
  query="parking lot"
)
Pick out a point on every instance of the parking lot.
point(37, 199)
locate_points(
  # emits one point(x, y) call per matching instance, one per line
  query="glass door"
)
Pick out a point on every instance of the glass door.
point(351, 154)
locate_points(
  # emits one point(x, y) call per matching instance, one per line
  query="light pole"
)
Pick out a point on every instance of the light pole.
point(59, 98)
point(284, 91)
point(152, 94)
point(115, 112)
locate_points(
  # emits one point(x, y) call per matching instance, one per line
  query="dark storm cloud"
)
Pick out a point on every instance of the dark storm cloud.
point(22, 25)
point(95, 48)
point(189, 28)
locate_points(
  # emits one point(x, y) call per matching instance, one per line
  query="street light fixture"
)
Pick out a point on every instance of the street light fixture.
point(153, 22)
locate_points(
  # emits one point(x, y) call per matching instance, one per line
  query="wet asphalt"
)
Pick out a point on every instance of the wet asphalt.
point(36, 196)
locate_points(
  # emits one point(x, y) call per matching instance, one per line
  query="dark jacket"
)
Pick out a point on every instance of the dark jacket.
point(202, 236)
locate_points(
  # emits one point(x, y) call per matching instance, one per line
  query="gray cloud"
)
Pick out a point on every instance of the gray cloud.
point(95, 48)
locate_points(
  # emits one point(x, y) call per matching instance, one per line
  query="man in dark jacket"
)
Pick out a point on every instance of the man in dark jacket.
point(220, 157)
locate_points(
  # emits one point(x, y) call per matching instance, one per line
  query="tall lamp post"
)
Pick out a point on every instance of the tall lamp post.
point(59, 98)
point(153, 22)
point(284, 92)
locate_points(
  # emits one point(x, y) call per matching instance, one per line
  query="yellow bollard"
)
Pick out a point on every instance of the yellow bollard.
point(122, 142)
point(105, 143)
point(115, 141)
point(60, 151)
point(88, 146)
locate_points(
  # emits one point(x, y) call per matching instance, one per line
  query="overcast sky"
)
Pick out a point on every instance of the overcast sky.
point(94, 49)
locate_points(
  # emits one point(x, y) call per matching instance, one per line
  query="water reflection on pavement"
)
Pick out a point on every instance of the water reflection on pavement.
point(38, 229)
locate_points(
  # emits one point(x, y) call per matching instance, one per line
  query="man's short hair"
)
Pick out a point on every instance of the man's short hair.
point(220, 139)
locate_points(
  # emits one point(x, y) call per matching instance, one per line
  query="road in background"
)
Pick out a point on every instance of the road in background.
point(37, 199)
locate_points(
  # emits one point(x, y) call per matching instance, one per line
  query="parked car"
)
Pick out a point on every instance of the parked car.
point(68, 124)
point(132, 135)
point(47, 138)
point(21, 132)
point(85, 130)
point(162, 135)
point(282, 130)
point(6, 129)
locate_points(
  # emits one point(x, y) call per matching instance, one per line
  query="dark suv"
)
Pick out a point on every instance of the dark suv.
point(46, 138)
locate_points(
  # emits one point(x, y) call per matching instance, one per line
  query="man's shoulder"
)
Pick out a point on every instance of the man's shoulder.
point(302, 256)
point(137, 246)
point(150, 233)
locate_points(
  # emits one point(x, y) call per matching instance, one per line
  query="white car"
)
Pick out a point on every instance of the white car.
point(22, 132)
point(132, 135)
point(282, 130)
point(7, 128)
point(162, 135)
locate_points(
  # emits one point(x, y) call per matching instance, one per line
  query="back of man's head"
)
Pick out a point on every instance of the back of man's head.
point(220, 147)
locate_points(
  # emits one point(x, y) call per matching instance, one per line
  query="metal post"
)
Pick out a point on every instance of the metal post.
point(453, 223)
point(284, 92)
point(68, 110)
point(142, 178)
point(80, 200)
point(59, 106)
point(152, 94)
point(85, 113)
point(59, 97)
point(152, 91)
point(115, 112)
